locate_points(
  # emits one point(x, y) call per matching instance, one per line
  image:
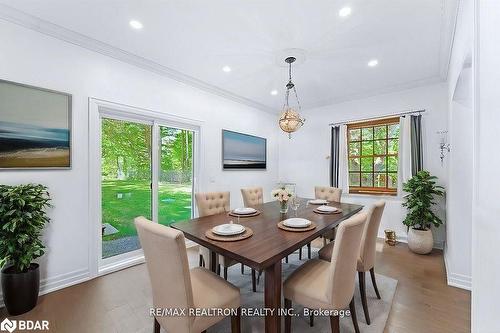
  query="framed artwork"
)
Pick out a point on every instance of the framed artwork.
point(35, 127)
point(243, 151)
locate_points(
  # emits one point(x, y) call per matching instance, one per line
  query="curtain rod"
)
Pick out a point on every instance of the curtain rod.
point(377, 117)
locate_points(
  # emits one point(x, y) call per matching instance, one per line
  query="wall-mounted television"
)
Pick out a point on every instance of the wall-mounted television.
point(243, 151)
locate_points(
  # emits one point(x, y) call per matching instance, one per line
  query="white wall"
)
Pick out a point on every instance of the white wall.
point(460, 118)
point(303, 159)
point(43, 61)
point(486, 198)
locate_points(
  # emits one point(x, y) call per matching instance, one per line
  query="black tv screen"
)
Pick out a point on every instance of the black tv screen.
point(243, 151)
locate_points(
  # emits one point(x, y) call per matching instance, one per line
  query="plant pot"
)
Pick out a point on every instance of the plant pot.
point(420, 241)
point(20, 290)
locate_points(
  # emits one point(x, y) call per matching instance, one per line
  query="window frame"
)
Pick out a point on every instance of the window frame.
point(372, 124)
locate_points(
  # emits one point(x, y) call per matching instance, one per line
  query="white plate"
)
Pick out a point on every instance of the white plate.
point(228, 229)
point(296, 222)
point(244, 211)
point(318, 202)
point(327, 209)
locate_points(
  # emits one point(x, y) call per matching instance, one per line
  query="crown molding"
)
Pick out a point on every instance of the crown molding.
point(34, 23)
point(381, 91)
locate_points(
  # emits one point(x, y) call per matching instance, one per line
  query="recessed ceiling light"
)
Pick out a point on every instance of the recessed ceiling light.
point(346, 11)
point(226, 69)
point(373, 63)
point(135, 24)
point(274, 92)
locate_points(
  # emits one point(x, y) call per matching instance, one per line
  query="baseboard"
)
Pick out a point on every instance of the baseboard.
point(59, 282)
point(457, 280)
point(438, 244)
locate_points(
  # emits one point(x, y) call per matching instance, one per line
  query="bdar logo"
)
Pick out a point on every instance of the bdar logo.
point(8, 325)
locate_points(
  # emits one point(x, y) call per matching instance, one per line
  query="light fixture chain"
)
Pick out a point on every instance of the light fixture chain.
point(297, 97)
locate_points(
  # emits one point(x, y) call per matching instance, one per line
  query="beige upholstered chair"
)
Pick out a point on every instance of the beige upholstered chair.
point(366, 260)
point(328, 193)
point(252, 196)
point(211, 203)
point(319, 284)
point(167, 261)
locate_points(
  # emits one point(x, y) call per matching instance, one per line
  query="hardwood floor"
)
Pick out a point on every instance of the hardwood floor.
point(119, 302)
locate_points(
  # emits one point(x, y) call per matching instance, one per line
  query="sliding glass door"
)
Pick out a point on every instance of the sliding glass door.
point(146, 169)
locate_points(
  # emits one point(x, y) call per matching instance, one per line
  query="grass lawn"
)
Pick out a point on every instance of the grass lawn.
point(123, 200)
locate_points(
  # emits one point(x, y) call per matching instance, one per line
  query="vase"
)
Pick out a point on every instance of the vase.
point(20, 290)
point(420, 241)
point(284, 207)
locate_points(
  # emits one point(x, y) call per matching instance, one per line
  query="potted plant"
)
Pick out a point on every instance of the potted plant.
point(22, 219)
point(422, 190)
point(282, 195)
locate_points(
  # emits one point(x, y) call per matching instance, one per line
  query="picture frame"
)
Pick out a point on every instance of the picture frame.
point(242, 151)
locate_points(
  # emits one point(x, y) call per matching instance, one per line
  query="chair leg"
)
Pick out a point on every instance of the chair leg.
point(354, 318)
point(300, 254)
point(288, 318)
point(372, 273)
point(362, 289)
point(324, 241)
point(254, 283)
point(309, 250)
point(335, 324)
point(286, 259)
point(236, 322)
point(311, 319)
point(225, 273)
point(156, 326)
point(218, 269)
point(242, 269)
point(201, 261)
point(258, 277)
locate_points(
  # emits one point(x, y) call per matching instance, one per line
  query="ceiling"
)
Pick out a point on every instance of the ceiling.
point(192, 41)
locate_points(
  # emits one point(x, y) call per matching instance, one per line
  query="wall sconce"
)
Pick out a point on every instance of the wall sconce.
point(444, 146)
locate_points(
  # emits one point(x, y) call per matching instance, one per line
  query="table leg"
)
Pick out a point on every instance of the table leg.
point(213, 261)
point(272, 297)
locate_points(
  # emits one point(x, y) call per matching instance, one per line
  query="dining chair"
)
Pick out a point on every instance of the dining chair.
point(319, 284)
point(366, 259)
point(252, 196)
point(211, 203)
point(175, 286)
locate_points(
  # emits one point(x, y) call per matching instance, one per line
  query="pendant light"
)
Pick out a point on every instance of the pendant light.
point(290, 119)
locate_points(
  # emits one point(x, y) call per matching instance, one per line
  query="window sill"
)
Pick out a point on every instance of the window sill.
point(386, 196)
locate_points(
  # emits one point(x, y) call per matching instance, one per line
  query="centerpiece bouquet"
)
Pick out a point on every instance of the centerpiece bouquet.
point(282, 195)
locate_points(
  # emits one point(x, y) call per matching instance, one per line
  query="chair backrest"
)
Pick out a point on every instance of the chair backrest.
point(328, 193)
point(252, 196)
point(344, 259)
point(369, 238)
point(211, 203)
point(167, 261)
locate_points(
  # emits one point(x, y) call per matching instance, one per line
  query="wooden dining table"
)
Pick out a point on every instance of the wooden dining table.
point(268, 245)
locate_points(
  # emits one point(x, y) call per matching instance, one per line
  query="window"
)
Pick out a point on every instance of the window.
point(373, 156)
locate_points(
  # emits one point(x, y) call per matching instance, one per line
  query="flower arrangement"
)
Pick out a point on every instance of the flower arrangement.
point(282, 195)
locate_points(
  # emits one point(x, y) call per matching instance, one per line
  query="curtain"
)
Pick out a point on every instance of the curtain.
point(416, 144)
point(404, 154)
point(334, 153)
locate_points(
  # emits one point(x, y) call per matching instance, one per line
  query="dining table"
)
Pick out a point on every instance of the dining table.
point(268, 245)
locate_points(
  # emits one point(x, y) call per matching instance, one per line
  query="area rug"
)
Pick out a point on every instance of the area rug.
point(379, 309)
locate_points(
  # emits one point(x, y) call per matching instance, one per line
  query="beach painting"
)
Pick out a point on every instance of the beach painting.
point(243, 151)
point(35, 127)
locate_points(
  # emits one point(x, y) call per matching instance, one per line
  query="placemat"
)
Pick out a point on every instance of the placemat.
point(244, 215)
point(338, 211)
point(248, 232)
point(284, 227)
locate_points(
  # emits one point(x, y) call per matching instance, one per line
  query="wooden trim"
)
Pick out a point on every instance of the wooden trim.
point(372, 123)
point(372, 191)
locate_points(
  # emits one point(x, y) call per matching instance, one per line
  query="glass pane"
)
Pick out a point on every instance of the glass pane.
point(176, 175)
point(379, 164)
point(367, 179)
point(354, 179)
point(393, 131)
point(367, 133)
point(126, 183)
point(380, 132)
point(392, 163)
point(354, 149)
point(366, 148)
point(355, 134)
point(393, 146)
point(379, 147)
point(366, 163)
point(380, 180)
point(392, 180)
point(354, 164)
